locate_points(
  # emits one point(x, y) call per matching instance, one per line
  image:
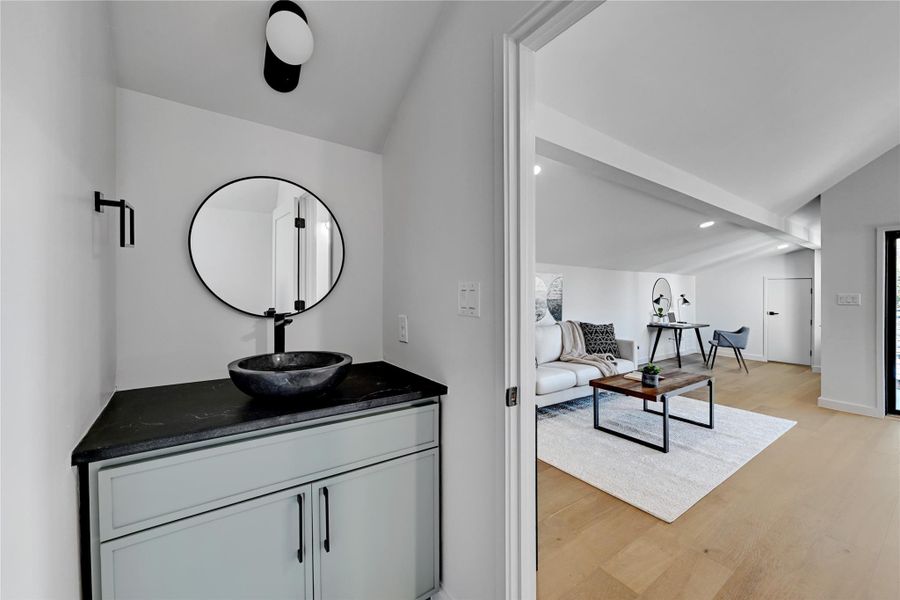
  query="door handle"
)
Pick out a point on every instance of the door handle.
point(300, 548)
point(772, 314)
point(327, 542)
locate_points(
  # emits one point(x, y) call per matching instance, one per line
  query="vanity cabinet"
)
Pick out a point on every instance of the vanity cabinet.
point(371, 534)
point(381, 528)
point(248, 550)
point(338, 506)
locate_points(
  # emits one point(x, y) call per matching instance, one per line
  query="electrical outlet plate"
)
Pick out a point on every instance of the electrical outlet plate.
point(849, 299)
point(403, 333)
point(469, 296)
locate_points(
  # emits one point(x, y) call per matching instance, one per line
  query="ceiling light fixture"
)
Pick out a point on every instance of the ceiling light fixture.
point(289, 44)
point(537, 169)
point(706, 224)
point(783, 246)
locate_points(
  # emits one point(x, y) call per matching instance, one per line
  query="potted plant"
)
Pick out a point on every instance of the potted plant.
point(650, 375)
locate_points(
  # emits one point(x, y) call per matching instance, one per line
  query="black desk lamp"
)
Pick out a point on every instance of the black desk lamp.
point(682, 302)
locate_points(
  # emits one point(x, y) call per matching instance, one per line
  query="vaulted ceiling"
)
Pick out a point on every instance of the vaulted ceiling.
point(586, 220)
point(774, 102)
point(210, 55)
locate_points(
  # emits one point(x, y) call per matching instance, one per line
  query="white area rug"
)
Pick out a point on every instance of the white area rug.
point(664, 485)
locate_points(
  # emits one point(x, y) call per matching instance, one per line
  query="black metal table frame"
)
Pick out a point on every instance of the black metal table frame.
point(664, 414)
point(679, 333)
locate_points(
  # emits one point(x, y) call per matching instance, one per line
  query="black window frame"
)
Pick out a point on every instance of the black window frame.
point(891, 243)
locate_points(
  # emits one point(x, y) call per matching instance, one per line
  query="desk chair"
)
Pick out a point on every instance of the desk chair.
point(736, 340)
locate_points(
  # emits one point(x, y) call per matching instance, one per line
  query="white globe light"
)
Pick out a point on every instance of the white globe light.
point(289, 37)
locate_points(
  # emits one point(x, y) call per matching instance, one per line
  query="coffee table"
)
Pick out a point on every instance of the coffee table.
point(676, 382)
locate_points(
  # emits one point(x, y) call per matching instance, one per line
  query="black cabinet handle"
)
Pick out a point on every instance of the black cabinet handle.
point(771, 314)
point(300, 548)
point(327, 543)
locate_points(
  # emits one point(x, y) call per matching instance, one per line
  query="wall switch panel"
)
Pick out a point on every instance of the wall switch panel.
point(403, 333)
point(469, 299)
point(849, 299)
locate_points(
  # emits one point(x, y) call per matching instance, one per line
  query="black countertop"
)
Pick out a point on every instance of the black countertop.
point(161, 417)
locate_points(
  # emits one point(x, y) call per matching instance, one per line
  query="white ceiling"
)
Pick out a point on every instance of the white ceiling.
point(585, 220)
point(210, 55)
point(772, 101)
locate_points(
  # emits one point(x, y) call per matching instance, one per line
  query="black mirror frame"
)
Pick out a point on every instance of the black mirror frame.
point(307, 190)
point(669, 297)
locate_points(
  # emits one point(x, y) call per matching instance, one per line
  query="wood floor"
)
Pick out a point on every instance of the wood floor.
point(815, 516)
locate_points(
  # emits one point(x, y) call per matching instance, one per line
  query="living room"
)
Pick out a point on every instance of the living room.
point(717, 201)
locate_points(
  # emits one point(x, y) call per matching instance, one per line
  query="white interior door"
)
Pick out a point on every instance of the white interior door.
point(789, 320)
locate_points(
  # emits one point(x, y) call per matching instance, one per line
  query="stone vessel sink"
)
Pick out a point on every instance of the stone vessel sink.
point(289, 374)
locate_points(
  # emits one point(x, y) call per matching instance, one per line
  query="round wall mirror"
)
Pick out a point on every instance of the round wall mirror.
point(264, 243)
point(662, 296)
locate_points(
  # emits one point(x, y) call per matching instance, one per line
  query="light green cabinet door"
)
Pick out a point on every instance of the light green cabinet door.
point(249, 550)
point(376, 531)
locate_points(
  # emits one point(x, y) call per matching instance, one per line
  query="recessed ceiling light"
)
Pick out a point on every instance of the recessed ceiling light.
point(537, 169)
point(783, 246)
point(706, 224)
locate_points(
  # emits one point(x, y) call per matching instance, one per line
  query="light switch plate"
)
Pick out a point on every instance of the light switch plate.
point(403, 334)
point(469, 299)
point(849, 299)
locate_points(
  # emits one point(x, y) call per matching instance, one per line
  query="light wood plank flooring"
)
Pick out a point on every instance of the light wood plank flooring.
point(815, 516)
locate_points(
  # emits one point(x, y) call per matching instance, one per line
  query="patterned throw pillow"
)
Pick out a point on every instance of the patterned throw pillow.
point(600, 339)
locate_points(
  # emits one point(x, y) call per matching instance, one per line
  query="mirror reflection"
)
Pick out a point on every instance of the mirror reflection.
point(263, 243)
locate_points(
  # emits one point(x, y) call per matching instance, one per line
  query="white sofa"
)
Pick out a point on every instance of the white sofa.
point(558, 381)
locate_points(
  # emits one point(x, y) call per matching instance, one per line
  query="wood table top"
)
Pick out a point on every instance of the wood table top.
point(675, 381)
point(678, 325)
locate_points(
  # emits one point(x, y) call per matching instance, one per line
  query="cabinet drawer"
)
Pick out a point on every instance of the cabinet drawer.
point(138, 495)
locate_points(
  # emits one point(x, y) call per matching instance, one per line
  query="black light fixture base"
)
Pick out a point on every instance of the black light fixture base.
point(281, 76)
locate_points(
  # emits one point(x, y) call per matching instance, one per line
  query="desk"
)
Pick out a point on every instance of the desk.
point(678, 328)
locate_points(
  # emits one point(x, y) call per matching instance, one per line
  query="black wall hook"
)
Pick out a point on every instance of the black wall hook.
point(100, 202)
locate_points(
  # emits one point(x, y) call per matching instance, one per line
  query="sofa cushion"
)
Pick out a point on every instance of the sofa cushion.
point(600, 339)
point(583, 373)
point(547, 343)
point(549, 380)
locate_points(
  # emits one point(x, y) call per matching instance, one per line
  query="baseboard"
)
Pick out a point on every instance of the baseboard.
point(816, 368)
point(442, 594)
point(660, 355)
point(729, 355)
point(849, 407)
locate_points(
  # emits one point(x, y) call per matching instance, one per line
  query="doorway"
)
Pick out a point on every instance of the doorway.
point(892, 323)
point(789, 320)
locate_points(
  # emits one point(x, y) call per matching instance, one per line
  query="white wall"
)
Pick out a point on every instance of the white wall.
point(170, 157)
point(623, 298)
point(443, 224)
point(732, 296)
point(851, 212)
point(58, 303)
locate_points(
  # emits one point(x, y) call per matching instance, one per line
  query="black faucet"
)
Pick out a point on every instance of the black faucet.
point(280, 321)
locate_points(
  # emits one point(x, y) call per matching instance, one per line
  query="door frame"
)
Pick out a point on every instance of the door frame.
point(516, 107)
point(812, 313)
point(881, 320)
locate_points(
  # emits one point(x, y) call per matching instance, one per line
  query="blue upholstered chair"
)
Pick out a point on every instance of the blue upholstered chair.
point(736, 340)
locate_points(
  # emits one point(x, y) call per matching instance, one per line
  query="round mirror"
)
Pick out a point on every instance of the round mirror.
point(262, 243)
point(662, 296)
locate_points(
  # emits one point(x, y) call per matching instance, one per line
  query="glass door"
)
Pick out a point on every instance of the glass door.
point(892, 324)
